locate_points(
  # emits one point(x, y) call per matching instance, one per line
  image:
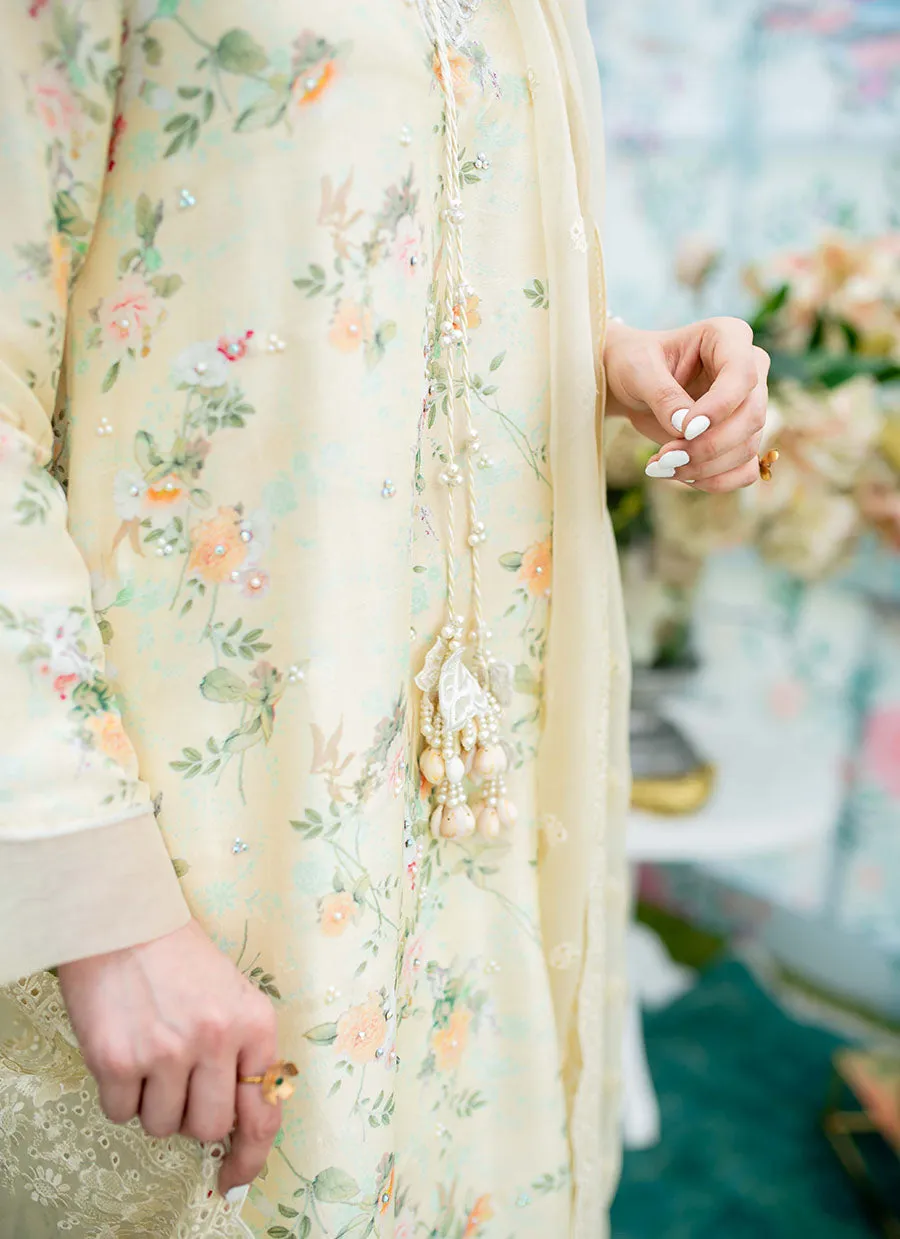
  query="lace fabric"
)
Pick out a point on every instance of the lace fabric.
point(58, 1149)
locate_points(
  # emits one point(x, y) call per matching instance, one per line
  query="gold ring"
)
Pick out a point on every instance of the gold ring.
point(765, 465)
point(276, 1082)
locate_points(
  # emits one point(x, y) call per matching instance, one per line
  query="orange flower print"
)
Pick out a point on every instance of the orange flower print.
point(351, 327)
point(312, 83)
point(473, 318)
point(460, 74)
point(216, 547)
point(335, 913)
point(109, 738)
point(361, 1031)
point(386, 1194)
point(537, 568)
point(165, 493)
point(125, 313)
point(60, 259)
point(449, 1043)
point(481, 1212)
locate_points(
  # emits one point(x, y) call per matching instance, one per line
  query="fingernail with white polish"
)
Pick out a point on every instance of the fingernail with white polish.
point(678, 418)
point(696, 426)
point(666, 465)
point(237, 1195)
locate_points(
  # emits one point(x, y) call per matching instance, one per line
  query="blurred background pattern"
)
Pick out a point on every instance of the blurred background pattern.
point(754, 169)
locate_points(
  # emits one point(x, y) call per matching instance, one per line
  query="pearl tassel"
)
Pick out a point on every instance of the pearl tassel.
point(460, 714)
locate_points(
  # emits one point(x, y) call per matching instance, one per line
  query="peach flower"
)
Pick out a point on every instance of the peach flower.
point(361, 1031)
point(312, 83)
point(351, 327)
point(109, 737)
point(54, 101)
point(336, 911)
point(450, 1042)
point(537, 568)
point(217, 549)
point(460, 74)
point(165, 493)
point(125, 313)
point(482, 1212)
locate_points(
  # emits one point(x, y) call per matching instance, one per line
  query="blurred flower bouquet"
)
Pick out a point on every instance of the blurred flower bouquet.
point(831, 321)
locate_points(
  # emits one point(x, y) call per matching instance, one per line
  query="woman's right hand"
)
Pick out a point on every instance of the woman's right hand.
point(166, 1028)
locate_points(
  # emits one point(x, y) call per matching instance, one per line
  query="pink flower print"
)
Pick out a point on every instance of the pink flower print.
point(62, 685)
point(127, 313)
point(407, 243)
point(234, 348)
point(254, 583)
point(54, 101)
point(881, 749)
point(413, 961)
point(405, 1226)
point(34, 9)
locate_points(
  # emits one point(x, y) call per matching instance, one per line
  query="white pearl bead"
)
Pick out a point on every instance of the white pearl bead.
point(455, 770)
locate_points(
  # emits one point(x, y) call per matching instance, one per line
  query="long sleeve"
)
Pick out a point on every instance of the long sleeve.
point(83, 867)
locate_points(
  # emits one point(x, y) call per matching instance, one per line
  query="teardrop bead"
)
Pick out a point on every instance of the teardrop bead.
point(458, 822)
point(456, 770)
point(436, 817)
point(489, 823)
point(432, 766)
point(507, 812)
point(490, 761)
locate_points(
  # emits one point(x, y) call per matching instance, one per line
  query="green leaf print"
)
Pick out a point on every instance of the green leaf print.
point(223, 686)
point(334, 1185)
point(238, 52)
point(512, 562)
point(322, 1034)
point(110, 377)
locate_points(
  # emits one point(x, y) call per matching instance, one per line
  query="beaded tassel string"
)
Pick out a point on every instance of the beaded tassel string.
point(460, 713)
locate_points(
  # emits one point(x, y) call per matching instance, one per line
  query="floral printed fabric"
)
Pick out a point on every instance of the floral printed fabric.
point(251, 425)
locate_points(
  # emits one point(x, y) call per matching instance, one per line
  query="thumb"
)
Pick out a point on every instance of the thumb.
point(667, 400)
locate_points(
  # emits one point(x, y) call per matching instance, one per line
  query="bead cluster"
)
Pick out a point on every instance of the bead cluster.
point(460, 715)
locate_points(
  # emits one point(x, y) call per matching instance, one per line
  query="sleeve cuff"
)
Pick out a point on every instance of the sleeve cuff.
point(85, 893)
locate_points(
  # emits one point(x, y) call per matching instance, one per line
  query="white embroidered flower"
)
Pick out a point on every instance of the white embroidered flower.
point(201, 365)
point(563, 956)
point(554, 831)
point(579, 240)
point(128, 494)
point(46, 1187)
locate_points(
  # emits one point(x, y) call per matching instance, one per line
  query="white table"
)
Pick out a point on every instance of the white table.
point(774, 793)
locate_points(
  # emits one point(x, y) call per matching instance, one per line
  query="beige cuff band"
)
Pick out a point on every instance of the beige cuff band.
point(85, 893)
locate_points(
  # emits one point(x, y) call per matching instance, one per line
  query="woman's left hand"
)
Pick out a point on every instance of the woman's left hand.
point(700, 391)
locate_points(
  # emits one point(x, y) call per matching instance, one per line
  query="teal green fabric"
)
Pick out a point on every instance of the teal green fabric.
point(742, 1156)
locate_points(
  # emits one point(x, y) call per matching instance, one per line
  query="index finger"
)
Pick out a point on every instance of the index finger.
point(728, 354)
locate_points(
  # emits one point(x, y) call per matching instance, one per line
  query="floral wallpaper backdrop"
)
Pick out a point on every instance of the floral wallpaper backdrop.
point(737, 132)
